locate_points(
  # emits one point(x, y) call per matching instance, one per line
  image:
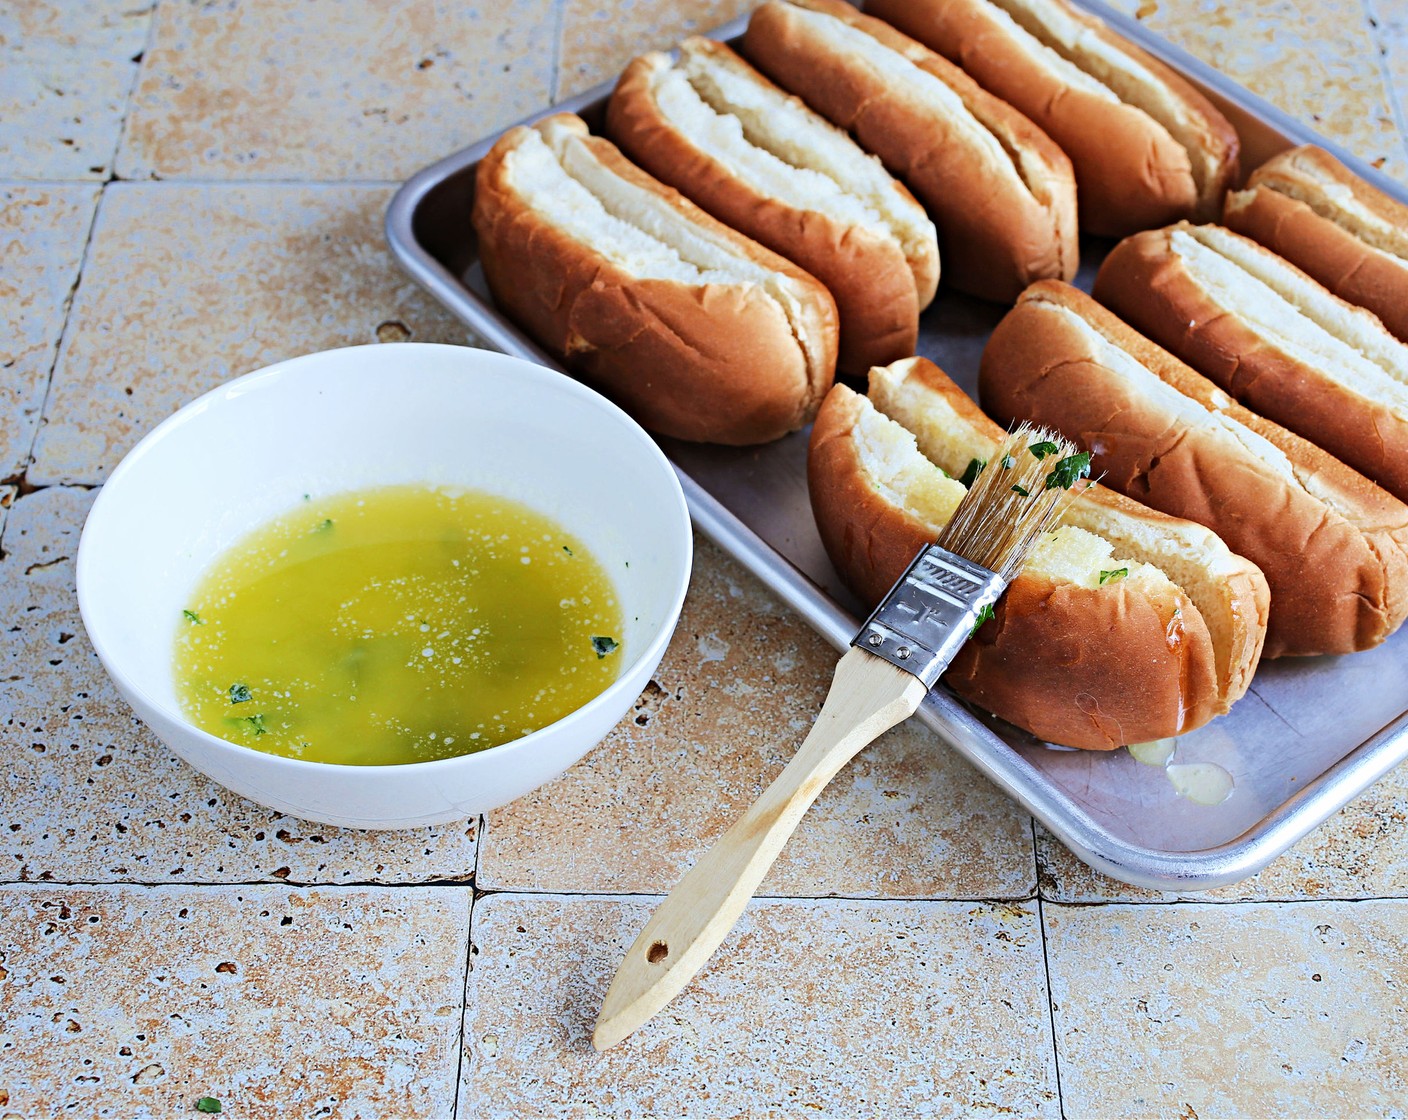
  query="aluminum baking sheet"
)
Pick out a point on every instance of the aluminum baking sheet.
point(1309, 736)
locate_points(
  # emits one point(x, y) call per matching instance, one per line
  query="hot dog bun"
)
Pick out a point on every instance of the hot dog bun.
point(762, 162)
point(1000, 192)
point(1125, 625)
point(1271, 336)
point(1311, 209)
point(1333, 546)
point(697, 331)
point(1147, 148)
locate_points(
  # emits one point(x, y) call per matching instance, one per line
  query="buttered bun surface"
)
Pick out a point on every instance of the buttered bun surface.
point(1124, 625)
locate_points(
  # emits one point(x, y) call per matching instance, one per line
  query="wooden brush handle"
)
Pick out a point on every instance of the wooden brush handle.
point(868, 696)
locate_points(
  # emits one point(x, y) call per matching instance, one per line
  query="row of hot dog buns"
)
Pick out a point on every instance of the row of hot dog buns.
point(1214, 537)
point(635, 287)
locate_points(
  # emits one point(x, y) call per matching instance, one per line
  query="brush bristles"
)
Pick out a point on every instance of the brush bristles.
point(1018, 496)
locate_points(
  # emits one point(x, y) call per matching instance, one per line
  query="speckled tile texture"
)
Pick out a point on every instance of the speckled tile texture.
point(126, 1001)
point(924, 949)
point(599, 39)
point(88, 794)
point(1293, 1010)
point(188, 286)
point(1316, 59)
point(43, 230)
point(310, 89)
point(810, 1008)
point(66, 70)
point(1389, 20)
point(733, 697)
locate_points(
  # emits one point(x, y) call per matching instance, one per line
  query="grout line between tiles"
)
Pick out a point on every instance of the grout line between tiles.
point(464, 984)
point(1378, 36)
point(120, 142)
point(1050, 1006)
point(61, 344)
point(660, 895)
point(555, 71)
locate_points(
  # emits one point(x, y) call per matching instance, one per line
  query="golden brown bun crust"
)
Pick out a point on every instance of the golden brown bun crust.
point(1337, 578)
point(655, 346)
point(1240, 595)
point(995, 236)
point(1131, 173)
point(1325, 250)
point(875, 290)
point(1146, 283)
point(1094, 668)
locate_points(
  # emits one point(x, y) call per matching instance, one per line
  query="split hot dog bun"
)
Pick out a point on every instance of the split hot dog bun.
point(1000, 192)
point(694, 329)
point(1333, 546)
point(1148, 149)
point(1125, 625)
point(1272, 337)
point(759, 160)
point(1311, 209)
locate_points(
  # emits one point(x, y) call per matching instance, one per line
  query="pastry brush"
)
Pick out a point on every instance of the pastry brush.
point(909, 640)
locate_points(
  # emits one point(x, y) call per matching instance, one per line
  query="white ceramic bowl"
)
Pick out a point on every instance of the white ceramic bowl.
point(366, 416)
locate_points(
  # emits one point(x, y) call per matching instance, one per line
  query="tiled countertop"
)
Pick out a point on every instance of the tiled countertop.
point(189, 190)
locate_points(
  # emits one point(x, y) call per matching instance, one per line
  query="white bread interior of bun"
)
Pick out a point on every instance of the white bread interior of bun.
point(1299, 174)
point(900, 472)
point(781, 148)
point(1010, 162)
point(1292, 312)
point(560, 177)
point(1190, 555)
point(1119, 75)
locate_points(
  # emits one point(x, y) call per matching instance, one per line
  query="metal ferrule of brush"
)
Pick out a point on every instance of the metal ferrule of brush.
point(930, 612)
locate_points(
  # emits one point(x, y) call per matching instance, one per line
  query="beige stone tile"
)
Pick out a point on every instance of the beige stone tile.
point(187, 286)
point(87, 794)
point(829, 1008)
point(1244, 1010)
point(1360, 852)
point(1390, 22)
point(316, 89)
point(1316, 59)
point(734, 696)
point(68, 69)
point(42, 233)
point(599, 39)
point(130, 1001)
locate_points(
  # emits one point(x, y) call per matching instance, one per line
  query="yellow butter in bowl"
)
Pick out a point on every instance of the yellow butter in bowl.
point(397, 624)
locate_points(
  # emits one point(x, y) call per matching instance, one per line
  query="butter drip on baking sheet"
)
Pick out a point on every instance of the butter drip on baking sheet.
point(398, 624)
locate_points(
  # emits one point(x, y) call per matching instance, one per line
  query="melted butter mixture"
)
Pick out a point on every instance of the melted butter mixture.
point(398, 624)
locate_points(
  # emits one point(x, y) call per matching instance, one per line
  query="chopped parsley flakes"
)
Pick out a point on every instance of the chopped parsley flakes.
point(975, 468)
point(193, 618)
point(239, 693)
point(983, 616)
point(1043, 449)
point(207, 1104)
point(1118, 573)
point(1068, 471)
point(603, 646)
